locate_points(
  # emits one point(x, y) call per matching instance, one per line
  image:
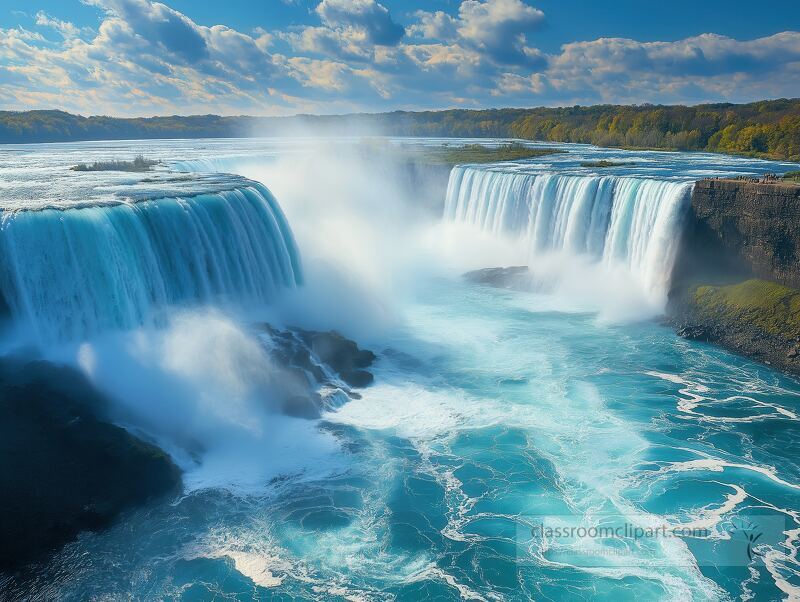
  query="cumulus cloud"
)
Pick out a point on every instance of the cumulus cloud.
point(146, 57)
point(700, 68)
point(366, 15)
point(704, 55)
point(434, 26)
point(349, 44)
point(161, 26)
point(349, 29)
point(496, 28)
point(499, 27)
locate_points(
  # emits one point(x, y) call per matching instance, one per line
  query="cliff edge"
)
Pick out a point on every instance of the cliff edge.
point(737, 273)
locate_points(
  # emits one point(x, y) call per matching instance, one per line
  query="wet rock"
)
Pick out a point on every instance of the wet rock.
point(357, 378)
point(338, 352)
point(694, 332)
point(321, 369)
point(63, 467)
point(756, 318)
point(514, 277)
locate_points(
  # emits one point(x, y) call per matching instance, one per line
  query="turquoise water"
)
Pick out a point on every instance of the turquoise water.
point(494, 413)
point(492, 408)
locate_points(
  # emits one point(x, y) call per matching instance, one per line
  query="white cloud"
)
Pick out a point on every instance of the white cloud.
point(705, 67)
point(499, 27)
point(65, 28)
point(347, 44)
point(434, 26)
point(146, 57)
point(367, 16)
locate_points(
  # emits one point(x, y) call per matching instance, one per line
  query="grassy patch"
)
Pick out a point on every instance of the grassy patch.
point(604, 163)
point(772, 307)
point(477, 153)
point(138, 164)
point(792, 176)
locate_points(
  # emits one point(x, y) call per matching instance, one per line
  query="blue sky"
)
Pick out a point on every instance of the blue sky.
point(140, 57)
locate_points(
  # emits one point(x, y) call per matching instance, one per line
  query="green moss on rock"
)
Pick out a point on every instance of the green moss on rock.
point(772, 307)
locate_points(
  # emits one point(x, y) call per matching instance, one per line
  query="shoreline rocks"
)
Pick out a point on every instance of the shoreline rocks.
point(64, 468)
point(737, 271)
point(755, 318)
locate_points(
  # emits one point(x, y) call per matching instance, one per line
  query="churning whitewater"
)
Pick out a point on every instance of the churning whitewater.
point(69, 274)
point(625, 221)
point(493, 411)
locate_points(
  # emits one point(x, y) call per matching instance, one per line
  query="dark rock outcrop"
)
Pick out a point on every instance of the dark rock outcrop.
point(739, 229)
point(514, 277)
point(314, 361)
point(737, 270)
point(63, 467)
point(694, 332)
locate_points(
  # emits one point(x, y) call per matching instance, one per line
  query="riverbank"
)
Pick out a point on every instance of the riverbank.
point(736, 280)
point(766, 129)
point(755, 318)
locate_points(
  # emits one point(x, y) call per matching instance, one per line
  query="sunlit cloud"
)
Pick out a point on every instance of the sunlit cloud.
point(146, 57)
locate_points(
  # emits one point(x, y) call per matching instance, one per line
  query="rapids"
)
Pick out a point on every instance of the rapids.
point(493, 411)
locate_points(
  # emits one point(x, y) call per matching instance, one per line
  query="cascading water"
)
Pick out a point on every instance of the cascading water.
point(69, 274)
point(223, 164)
point(492, 411)
point(627, 221)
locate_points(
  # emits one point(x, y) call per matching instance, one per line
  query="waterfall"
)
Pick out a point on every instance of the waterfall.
point(618, 221)
point(68, 274)
point(222, 164)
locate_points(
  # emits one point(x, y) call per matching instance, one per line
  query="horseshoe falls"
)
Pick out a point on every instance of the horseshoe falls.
point(69, 274)
point(514, 444)
point(631, 222)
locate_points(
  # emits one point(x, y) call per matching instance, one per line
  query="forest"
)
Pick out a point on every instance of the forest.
point(768, 129)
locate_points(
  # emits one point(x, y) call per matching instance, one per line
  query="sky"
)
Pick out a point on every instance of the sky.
point(282, 57)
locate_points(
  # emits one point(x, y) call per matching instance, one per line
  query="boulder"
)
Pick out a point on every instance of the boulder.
point(63, 467)
point(514, 277)
point(313, 361)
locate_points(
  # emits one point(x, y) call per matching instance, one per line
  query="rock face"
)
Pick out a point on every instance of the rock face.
point(63, 468)
point(744, 228)
point(738, 270)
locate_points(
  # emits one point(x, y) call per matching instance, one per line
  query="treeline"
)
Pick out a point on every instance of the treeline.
point(766, 129)
point(59, 126)
point(769, 129)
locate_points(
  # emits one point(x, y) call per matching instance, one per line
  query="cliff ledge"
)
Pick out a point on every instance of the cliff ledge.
point(737, 272)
